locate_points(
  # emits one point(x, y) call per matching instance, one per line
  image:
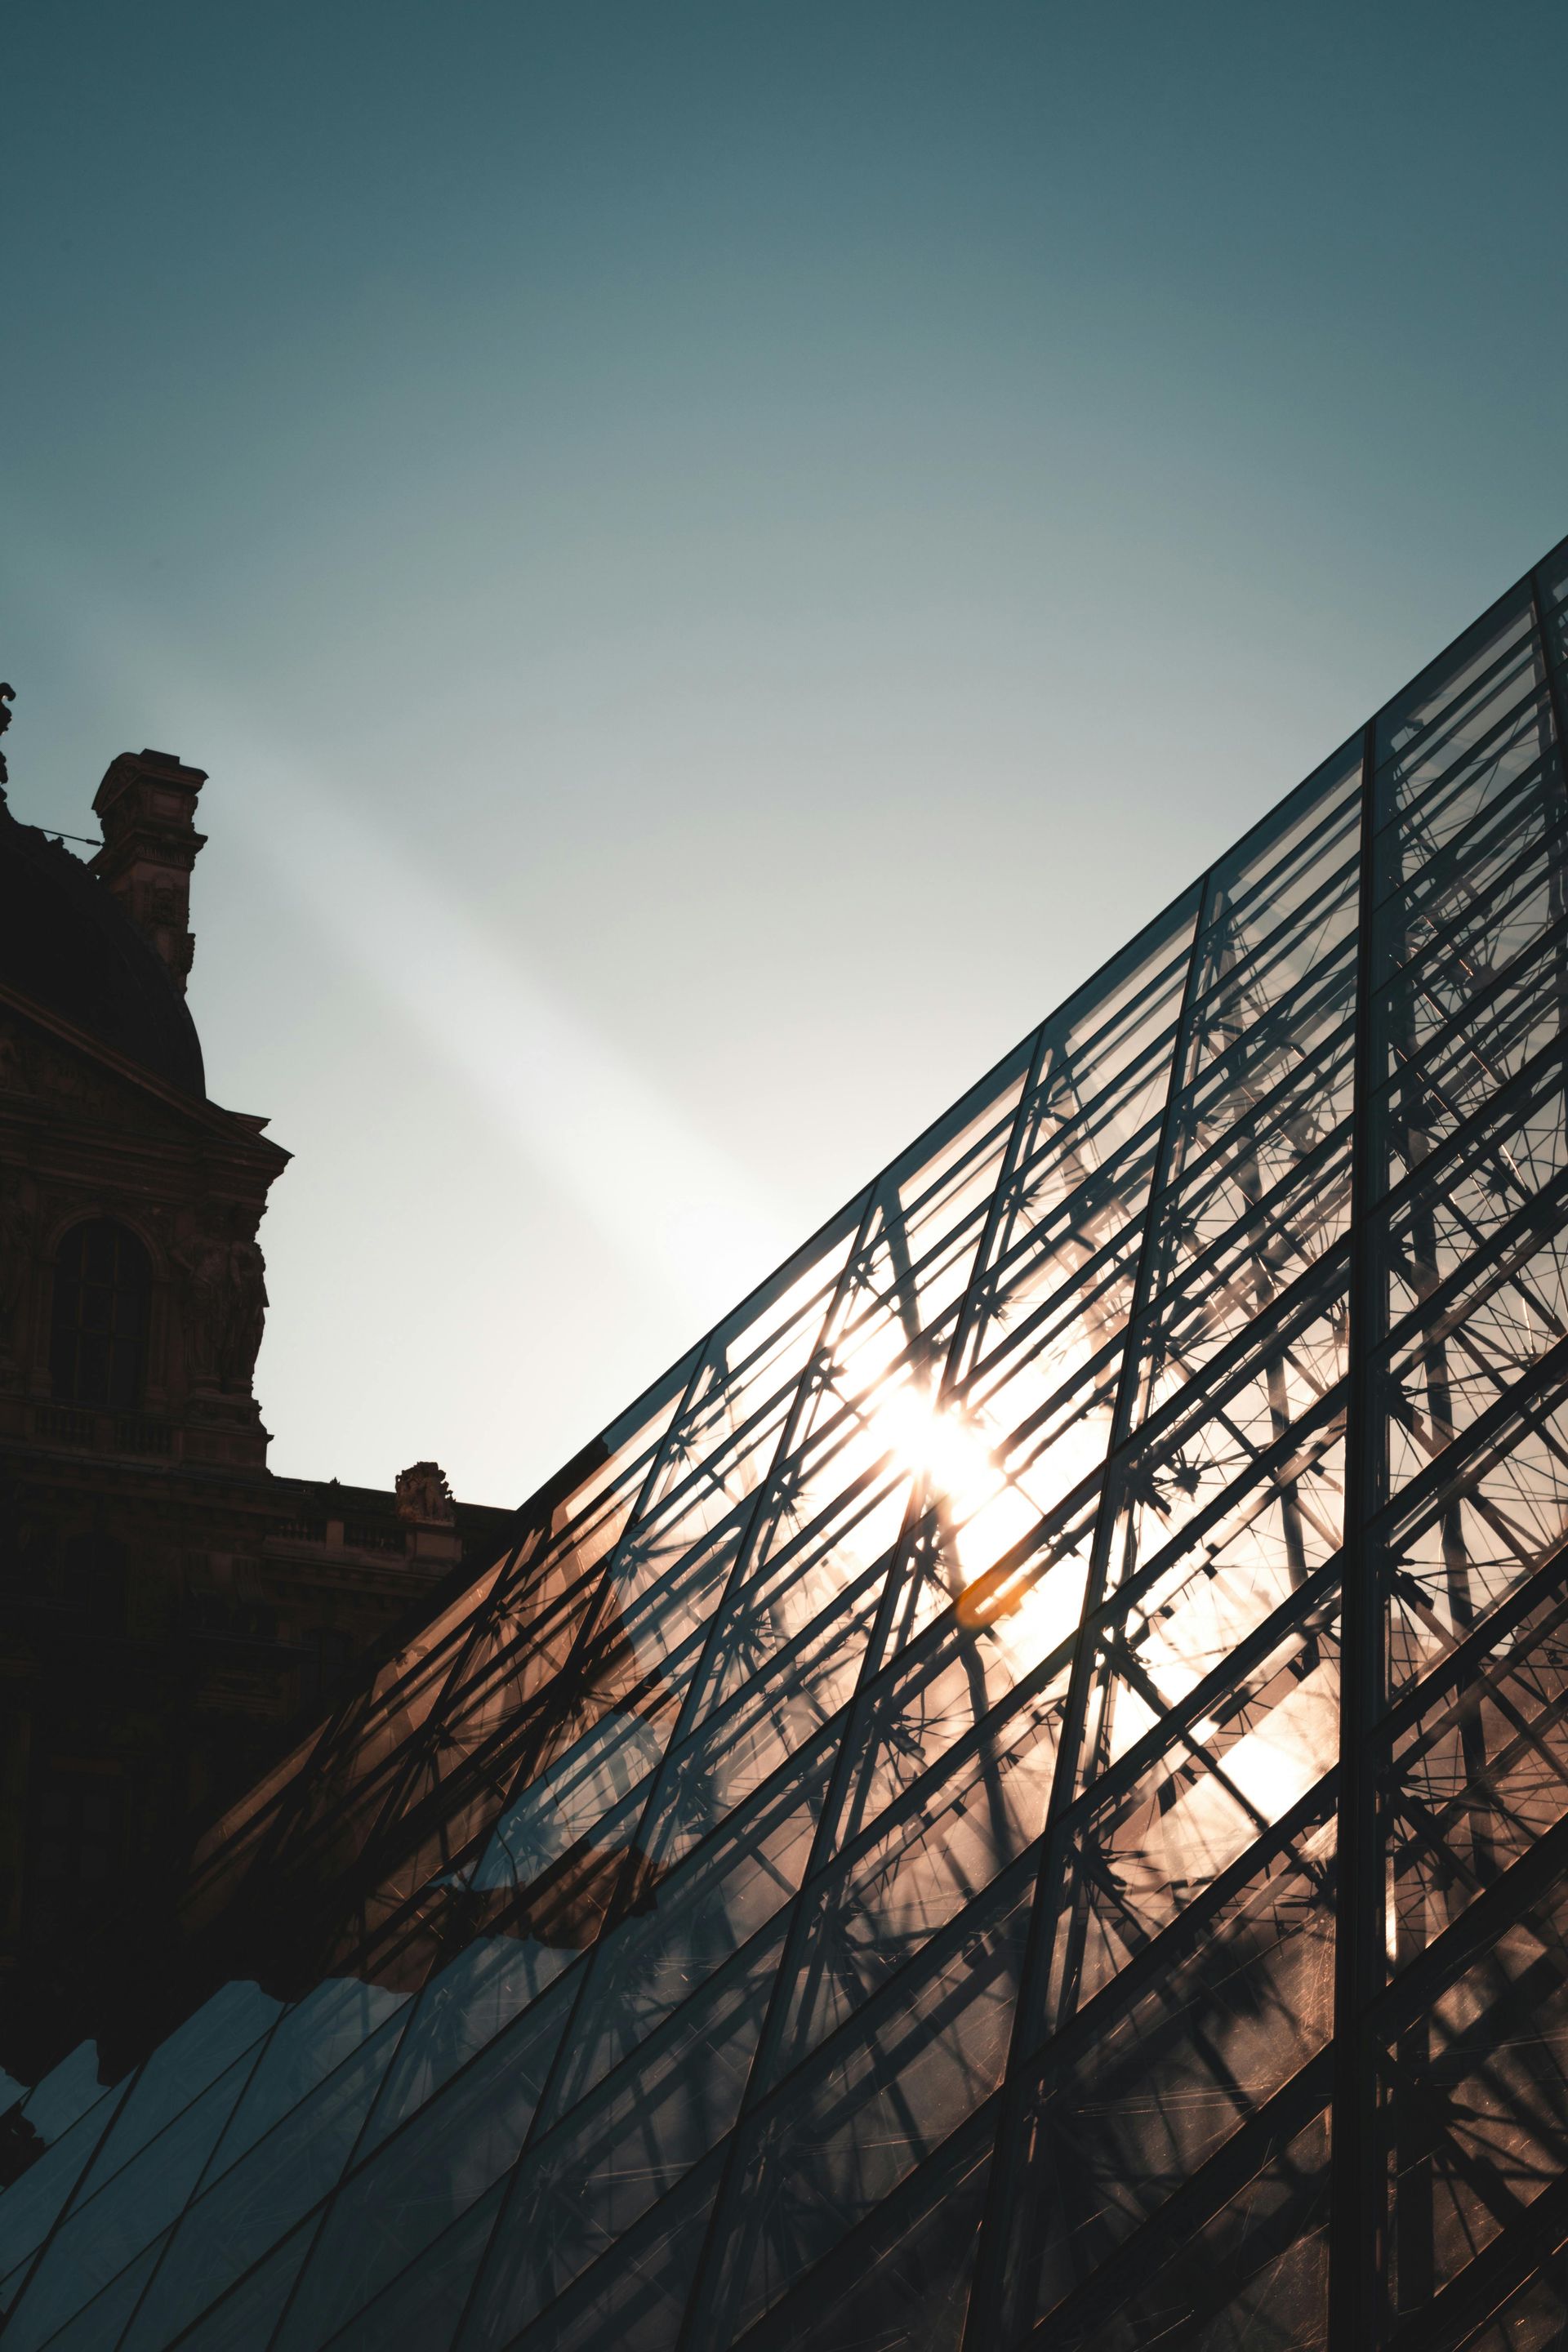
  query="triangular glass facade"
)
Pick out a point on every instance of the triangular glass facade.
point(1021, 1794)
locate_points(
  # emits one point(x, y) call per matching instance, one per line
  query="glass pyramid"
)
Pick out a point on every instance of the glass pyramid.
point(1020, 1795)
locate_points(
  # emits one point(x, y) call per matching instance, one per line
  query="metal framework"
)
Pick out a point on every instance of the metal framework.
point(1020, 1796)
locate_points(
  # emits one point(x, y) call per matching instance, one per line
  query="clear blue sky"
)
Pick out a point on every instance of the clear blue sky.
point(720, 557)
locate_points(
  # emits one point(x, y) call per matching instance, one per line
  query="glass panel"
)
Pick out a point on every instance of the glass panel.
point(1533, 2322)
point(1219, 2032)
point(243, 2319)
point(730, 1887)
point(876, 2100)
point(1475, 2104)
point(1248, 1748)
point(1254, 2273)
point(99, 2322)
point(1475, 1525)
point(420, 2310)
point(592, 2179)
point(30, 2206)
point(635, 2297)
point(1480, 1770)
point(1439, 712)
point(105, 2233)
point(238, 2217)
point(921, 1861)
point(904, 2278)
point(412, 2186)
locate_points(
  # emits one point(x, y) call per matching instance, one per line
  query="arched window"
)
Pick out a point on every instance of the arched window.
point(98, 1339)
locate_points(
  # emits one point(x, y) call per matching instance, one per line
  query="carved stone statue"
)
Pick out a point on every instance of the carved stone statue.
point(244, 1303)
point(226, 1297)
point(424, 1497)
point(203, 1259)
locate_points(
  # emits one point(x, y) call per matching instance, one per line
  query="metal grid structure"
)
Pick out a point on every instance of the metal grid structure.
point(1020, 1795)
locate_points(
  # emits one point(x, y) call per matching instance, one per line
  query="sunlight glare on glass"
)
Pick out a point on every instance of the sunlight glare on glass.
point(942, 1447)
point(953, 1453)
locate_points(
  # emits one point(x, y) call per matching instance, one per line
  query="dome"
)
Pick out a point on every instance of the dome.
point(65, 942)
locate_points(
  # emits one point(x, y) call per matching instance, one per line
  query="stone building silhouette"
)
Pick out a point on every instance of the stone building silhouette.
point(168, 1607)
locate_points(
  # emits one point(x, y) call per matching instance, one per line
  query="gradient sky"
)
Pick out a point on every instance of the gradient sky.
point(720, 557)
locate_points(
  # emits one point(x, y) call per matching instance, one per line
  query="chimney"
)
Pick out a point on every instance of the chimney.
point(147, 806)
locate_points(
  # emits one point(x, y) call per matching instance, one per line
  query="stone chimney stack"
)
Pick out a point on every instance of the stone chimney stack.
point(147, 806)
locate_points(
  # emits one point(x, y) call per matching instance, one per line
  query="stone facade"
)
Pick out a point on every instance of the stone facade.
point(171, 1612)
